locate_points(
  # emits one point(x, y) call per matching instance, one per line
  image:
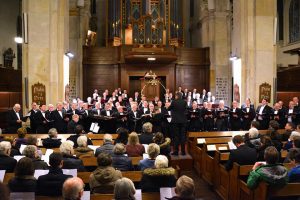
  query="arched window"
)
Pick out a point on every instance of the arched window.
point(294, 21)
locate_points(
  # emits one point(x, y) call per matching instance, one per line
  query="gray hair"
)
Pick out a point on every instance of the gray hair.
point(185, 187)
point(66, 147)
point(253, 133)
point(161, 161)
point(124, 189)
point(107, 138)
point(30, 151)
point(52, 132)
point(119, 149)
point(153, 150)
point(82, 141)
point(147, 127)
point(5, 146)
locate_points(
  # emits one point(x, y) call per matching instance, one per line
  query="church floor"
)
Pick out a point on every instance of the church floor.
point(203, 190)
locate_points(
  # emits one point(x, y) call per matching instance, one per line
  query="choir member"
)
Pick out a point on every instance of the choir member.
point(263, 114)
point(185, 93)
point(121, 118)
point(41, 121)
point(208, 117)
point(136, 97)
point(194, 94)
point(278, 115)
point(222, 117)
point(248, 114)
point(60, 119)
point(291, 114)
point(204, 95)
point(32, 112)
point(235, 117)
point(134, 118)
point(14, 119)
point(194, 115)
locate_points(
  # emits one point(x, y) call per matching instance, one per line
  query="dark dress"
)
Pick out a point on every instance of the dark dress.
point(22, 184)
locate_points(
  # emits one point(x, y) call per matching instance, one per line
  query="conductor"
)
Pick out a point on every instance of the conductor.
point(178, 123)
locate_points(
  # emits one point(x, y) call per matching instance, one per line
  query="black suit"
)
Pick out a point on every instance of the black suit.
point(243, 155)
point(247, 117)
point(263, 119)
point(12, 118)
point(235, 119)
point(134, 124)
point(59, 121)
point(51, 183)
point(32, 118)
point(41, 122)
point(7, 163)
point(179, 120)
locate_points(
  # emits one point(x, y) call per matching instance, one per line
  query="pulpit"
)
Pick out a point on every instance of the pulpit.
point(150, 90)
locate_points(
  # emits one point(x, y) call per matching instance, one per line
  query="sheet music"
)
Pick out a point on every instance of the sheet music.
point(211, 147)
point(138, 194)
point(22, 148)
point(45, 159)
point(167, 193)
point(86, 195)
point(2, 174)
point(231, 145)
point(93, 147)
point(92, 126)
point(40, 172)
point(17, 158)
point(146, 147)
point(200, 141)
point(222, 148)
point(48, 152)
point(145, 155)
point(72, 172)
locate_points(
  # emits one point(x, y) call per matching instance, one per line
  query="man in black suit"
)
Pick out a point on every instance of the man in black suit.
point(51, 183)
point(6, 162)
point(41, 121)
point(263, 114)
point(14, 119)
point(32, 112)
point(243, 155)
point(179, 120)
point(60, 119)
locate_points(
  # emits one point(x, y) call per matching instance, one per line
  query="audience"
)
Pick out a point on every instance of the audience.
point(119, 160)
point(243, 155)
point(122, 136)
point(107, 146)
point(21, 137)
point(70, 161)
point(6, 162)
point(78, 132)
point(52, 141)
point(289, 127)
point(294, 174)
point(273, 173)
point(73, 123)
point(146, 136)
point(265, 142)
point(124, 189)
point(134, 148)
point(185, 189)
point(252, 139)
point(164, 143)
point(103, 179)
point(30, 151)
point(24, 180)
point(51, 183)
point(295, 147)
point(159, 176)
point(274, 135)
point(32, 140)
point(83, 150)
point(153, 152)
point(73, 189)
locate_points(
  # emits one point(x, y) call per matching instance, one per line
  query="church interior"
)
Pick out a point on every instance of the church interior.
point(99, 59)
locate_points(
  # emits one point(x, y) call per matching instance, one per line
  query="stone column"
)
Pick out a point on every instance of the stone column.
point(48, 39)
point(253, 40)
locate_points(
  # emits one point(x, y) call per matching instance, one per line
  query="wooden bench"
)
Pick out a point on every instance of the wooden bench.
point(145, 196)
point(92, 161)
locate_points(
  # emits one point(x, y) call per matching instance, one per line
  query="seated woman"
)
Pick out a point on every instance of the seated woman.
point(32, 140)
point(21, 137)
point(70, 161)
point(153, 152)
point(122, 136)
point(30, 151)
point(24, 180)
point(83, 150)
point(134, 148)
point(160, 176)
point(164, 143)
point(119, 160)
point(124, 189)
point(265, 143)
point(103, 179)
point(272, 172)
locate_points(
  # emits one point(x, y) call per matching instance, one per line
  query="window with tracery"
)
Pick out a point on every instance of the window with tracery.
point(294, 21)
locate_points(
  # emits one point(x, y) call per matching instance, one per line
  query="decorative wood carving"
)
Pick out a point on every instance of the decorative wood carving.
point(265, 92)
point(39, 93)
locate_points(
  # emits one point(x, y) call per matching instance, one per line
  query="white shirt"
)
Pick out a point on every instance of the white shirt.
point(247, 109)
point(44, 115)
point(18, 115)
point(108, 113)
point(60, 113)
point(275, 112)
point(233, 110)
point(261, 110)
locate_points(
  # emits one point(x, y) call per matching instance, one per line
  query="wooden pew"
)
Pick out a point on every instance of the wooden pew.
point(92, 161)
point(145, 196)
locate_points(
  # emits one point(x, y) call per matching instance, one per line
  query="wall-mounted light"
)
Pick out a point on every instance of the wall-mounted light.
point(69, 54)
point(151, 59)
point(19, 40)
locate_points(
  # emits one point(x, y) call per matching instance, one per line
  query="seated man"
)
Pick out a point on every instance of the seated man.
point(51, 183)
point(107, 146)
point(147, 135)
point(31, 152)
point(294, 174)
point(153, 152)
point(103, 179)
point(73, 188)
point(52, 141)
point(78, 132)
point(73, 123)
point(295, 147)
point(271, 172)
point(119, 160)
point(243, 155)
point(185, 189)
point(70, 161)
point(6, 162)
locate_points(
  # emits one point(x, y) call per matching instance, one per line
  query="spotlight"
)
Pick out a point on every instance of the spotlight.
point(69, 54)
point(151, 59)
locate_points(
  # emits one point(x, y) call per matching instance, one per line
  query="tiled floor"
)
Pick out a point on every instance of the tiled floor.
point(203, 190)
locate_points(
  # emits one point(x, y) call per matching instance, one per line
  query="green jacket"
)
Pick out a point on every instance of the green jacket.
point(275, 175)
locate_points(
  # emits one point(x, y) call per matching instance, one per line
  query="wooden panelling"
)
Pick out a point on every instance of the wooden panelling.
point(99, 76)
point(96, 55)
point(287, 96)
point(288, 80)
point(193, 56)
point(192, 76)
